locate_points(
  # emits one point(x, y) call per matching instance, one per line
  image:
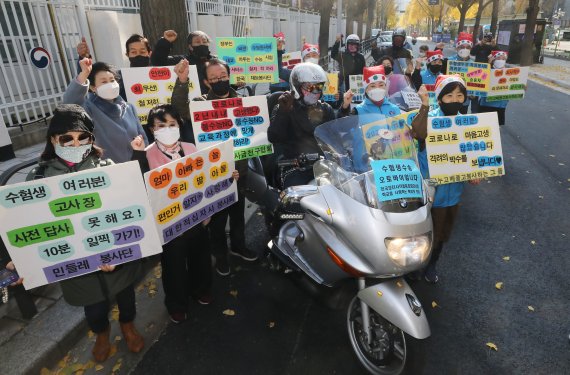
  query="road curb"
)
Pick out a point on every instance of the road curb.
point(543, 77)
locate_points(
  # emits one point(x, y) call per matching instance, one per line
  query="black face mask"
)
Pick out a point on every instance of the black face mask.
point(387, 70)
point(139, 61)
point(450, 109)
point(220, 88)
point(201, 51)
point(435, 68)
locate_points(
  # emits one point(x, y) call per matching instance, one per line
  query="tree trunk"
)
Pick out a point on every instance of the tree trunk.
point(495, 16)
point(370, 19)
point(528, 42)
point(462, 13)
point(480, 10)
point(325, 9)
point(156, 18)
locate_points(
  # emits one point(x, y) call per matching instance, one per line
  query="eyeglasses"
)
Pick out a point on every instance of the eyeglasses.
point(67, 140)
point(219, 79)
point(313, 86)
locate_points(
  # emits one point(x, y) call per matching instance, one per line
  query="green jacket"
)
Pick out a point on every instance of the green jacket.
point(97, 286)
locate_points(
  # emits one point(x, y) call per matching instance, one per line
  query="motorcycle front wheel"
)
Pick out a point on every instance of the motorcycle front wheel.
point(391, 351)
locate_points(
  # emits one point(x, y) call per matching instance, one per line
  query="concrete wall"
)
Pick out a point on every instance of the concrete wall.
point(110, 30)
point(215, 26)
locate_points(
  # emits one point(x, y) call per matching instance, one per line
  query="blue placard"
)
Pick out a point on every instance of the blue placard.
point(396, 179)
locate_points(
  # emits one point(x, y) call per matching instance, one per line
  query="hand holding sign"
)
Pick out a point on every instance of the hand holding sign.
point(347, 99)
point(182, 70)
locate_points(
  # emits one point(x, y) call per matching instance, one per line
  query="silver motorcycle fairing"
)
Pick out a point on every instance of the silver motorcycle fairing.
point(396, 302)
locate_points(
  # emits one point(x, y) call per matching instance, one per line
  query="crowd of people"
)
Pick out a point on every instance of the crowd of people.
point(96, 127)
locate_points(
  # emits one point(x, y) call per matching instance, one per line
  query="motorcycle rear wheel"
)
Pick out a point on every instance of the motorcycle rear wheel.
point(391, 351)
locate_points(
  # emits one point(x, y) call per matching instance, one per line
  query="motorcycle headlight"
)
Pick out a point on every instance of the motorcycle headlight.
point(409, 251)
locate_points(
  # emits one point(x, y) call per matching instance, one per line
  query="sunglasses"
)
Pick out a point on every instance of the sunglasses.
point(313, 86)
point(67, 140)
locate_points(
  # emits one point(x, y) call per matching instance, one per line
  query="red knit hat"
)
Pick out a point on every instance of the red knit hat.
point(434, 55)
point(279, 35)
point(309, 48)
point(373, 74)
point(496, 54)
point(464, 39)
point(443, 80)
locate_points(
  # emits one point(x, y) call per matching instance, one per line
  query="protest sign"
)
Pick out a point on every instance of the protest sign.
point(331, 89)
point(149, 86)
point(243, 120)
point(508, 84)
point(65, 226)
point(187, 191)
point(390, 137)
point(397, 179)
point(357, 87)
point(290, 59)
point(477, 76)
point(412, 99)
point(251, 59)
point(462, 148)
point(432, 98)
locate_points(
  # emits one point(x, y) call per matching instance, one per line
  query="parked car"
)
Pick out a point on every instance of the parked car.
point(384, 41)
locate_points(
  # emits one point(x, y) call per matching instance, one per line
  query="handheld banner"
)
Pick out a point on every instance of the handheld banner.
point(243, 120)
point(149, 86)
point(462, 148)
point(508, 84)
point(187, 191)
point(390, 138)
point(477, 76)
point(331, 89)
point(66, 226)
point(251, 59)
point(357, 88)
point(397, 179)
point(412, 99)
point(290, 59)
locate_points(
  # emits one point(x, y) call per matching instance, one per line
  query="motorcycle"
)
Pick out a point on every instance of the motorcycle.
point(342, 226)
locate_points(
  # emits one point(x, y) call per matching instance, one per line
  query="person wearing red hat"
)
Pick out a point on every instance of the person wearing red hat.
point(451, 92)
point(375, 102)
point(310, 53)
point(483, 49)
point(464, 45)
point(434, 68)
point(497, 59)
point(284, 73)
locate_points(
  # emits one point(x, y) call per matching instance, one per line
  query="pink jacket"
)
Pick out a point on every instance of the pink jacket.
point(156, 158)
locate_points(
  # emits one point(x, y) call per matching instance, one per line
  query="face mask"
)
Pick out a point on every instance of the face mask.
point(201, 51)
point(387, 70)
point(464, 53)
point(499, 64)
point(352, 48)
point(376, 94)
point(422, 54)
point(139, 61)
point(310, 98)
point(167, 136)
point(108, 91)
point(313, 60)
point(435, 68)
point(450, 109)
point(221, 88)
point(73, 154)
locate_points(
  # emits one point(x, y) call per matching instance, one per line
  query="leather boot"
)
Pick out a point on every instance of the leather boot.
point(135, 341)
point(102, 346)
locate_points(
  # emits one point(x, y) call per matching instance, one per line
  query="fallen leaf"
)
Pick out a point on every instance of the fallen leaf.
point(118, 338)
point(234, 293)
point(561, 164)
point(229, 312)
point(434, 304)
point(541, 197)
point(530, 308)
point(271, 324)
point(115, 313)
point(492, 346)
point(400, 285)
point(259, 214)
point(113, 351)
point(90, 334)
point(63, 362)
point(552, 156)
point(99, 367)
point(499, 285)
point(506, 259)
point(533, 242)
point(157, 272)
point(118, 365)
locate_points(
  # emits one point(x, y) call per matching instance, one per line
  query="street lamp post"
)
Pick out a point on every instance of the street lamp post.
point(556, 24)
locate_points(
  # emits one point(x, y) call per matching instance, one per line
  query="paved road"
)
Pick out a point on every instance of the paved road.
point(523, 215)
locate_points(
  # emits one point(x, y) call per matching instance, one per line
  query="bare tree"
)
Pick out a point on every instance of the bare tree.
point(527, 54)
point(325, 9)
point(482, 5)
point(158, 16)
point(370, 18)
point(495, 16)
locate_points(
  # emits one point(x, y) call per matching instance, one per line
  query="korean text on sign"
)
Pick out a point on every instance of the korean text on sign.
point(477, 76)
point(357, 87)
point(251, 59)
point(508, 84)
point(80, 221)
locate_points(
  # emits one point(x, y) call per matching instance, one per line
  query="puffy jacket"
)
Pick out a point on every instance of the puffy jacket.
point(349, 64)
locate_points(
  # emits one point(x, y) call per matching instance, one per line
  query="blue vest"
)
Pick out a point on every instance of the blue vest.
point(428, 78)
point(445, 195)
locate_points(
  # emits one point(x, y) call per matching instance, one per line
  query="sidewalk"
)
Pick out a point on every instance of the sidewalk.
point(57, 340)
point(553, 71)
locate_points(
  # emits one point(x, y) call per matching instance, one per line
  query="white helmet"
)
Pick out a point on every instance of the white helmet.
point(306, 73)
point(353, 38)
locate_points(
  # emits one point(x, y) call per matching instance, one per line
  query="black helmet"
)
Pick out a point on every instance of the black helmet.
point(399, 31)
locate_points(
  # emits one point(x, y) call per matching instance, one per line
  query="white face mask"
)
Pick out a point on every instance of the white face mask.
point(464, 53)
point(73, 154)
point(108, 91)
point(376, 94)
point(167, 136)
point(313, 60)
point(499, 64)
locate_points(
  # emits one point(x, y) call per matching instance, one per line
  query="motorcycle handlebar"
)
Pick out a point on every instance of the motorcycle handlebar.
point(302, 161)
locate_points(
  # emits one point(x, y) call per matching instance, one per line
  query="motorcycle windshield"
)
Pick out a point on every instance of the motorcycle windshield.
point(372, 159)
point(402, 93)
